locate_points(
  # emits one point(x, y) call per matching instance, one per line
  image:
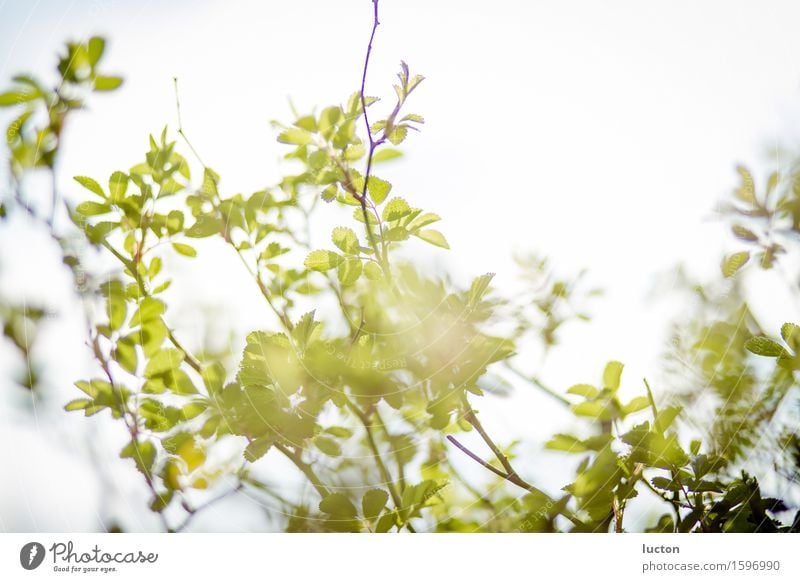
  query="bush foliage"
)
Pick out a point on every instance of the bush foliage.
point(369, 400)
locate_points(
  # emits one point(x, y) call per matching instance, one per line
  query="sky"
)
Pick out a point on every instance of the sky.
point(603, 134)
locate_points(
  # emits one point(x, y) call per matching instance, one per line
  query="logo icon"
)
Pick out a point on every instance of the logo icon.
point(31, 555)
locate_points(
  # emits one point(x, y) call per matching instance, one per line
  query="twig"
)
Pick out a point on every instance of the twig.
point(193, 511)
point(305, 468)
point(538, 384)
point(362, 198)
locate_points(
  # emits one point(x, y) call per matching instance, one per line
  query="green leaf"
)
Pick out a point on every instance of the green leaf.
point(328, 446)
point(257, 448)
point(396, 209)
point(106, 83)
point(322, 260)
point(339, 505)
point(295, 136)
point(611, 375)
point(148, 310)
point(593, 409)
point(117, 186)
point(746, 191)
point(398, 134)
point(378, 189)
point(77, 404)
point(205, 226)
point(434, 237)
point(95, 48)
point(373, 503)
point(763, 346)
point(185, 249)
point(424, 220)
point(116, 309)
point(666, 417)
point(743, 233)
point(164, 361)
point(345, 239)
point(396, 233)
point(732, 263)
point(566, 443)
point(372, 271)
point(349, 271)
point(635, 405)
point(125, 354)
point(143, 454)
point(12, 98)
point(790, 333)
point(90, 208)
point(90, 185)
point(386, 154)
point(584, 390)
point(339, 431)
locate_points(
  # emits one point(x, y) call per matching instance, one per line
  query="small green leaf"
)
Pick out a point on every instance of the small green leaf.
point(424, 220)
point(637, 404)
point(378, 189)
point(386, 154)
point(339, 505)
point(90, 208)
point(732, 263)
point(396, 209)
point(185, 249)
point(434, 237)
point(77, 404)
point(90, 185)
point(257, 448)
point(16, 98)
point(148, 310)
point(612, 374)
point(204, 226)
point(345, 239)
point(373, 503)
point(566, 443)
point(328, 446)
point(322, 260)
point(117, 186)
point(743, 233)
point(372, 271)
point(349, 271)
point(106, 83)
point(295, 136)
point(398, 134)
point(584, 390)
point(790, 333)
point(95, 46)
point(763, 346)
point(164, 361)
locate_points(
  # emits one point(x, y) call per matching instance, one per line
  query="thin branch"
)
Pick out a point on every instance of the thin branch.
point(180, 125)
point(510, 473)
point(384, 471)
point(476, 458)
point(362, 198)
point(305, 468)
point(193, 511)
point(538, 384)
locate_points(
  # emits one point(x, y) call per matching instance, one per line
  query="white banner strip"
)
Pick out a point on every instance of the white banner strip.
point(396, 558)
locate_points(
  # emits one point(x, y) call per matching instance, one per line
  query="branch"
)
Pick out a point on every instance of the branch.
point(509, 474)
point(362, 198)
point(305, 468)
point(538, 384)
point(193, 511)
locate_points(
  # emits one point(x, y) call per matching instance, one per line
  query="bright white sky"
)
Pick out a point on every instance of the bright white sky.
point(602, 134)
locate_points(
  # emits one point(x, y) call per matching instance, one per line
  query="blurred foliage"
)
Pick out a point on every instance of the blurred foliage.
point(370, 402)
